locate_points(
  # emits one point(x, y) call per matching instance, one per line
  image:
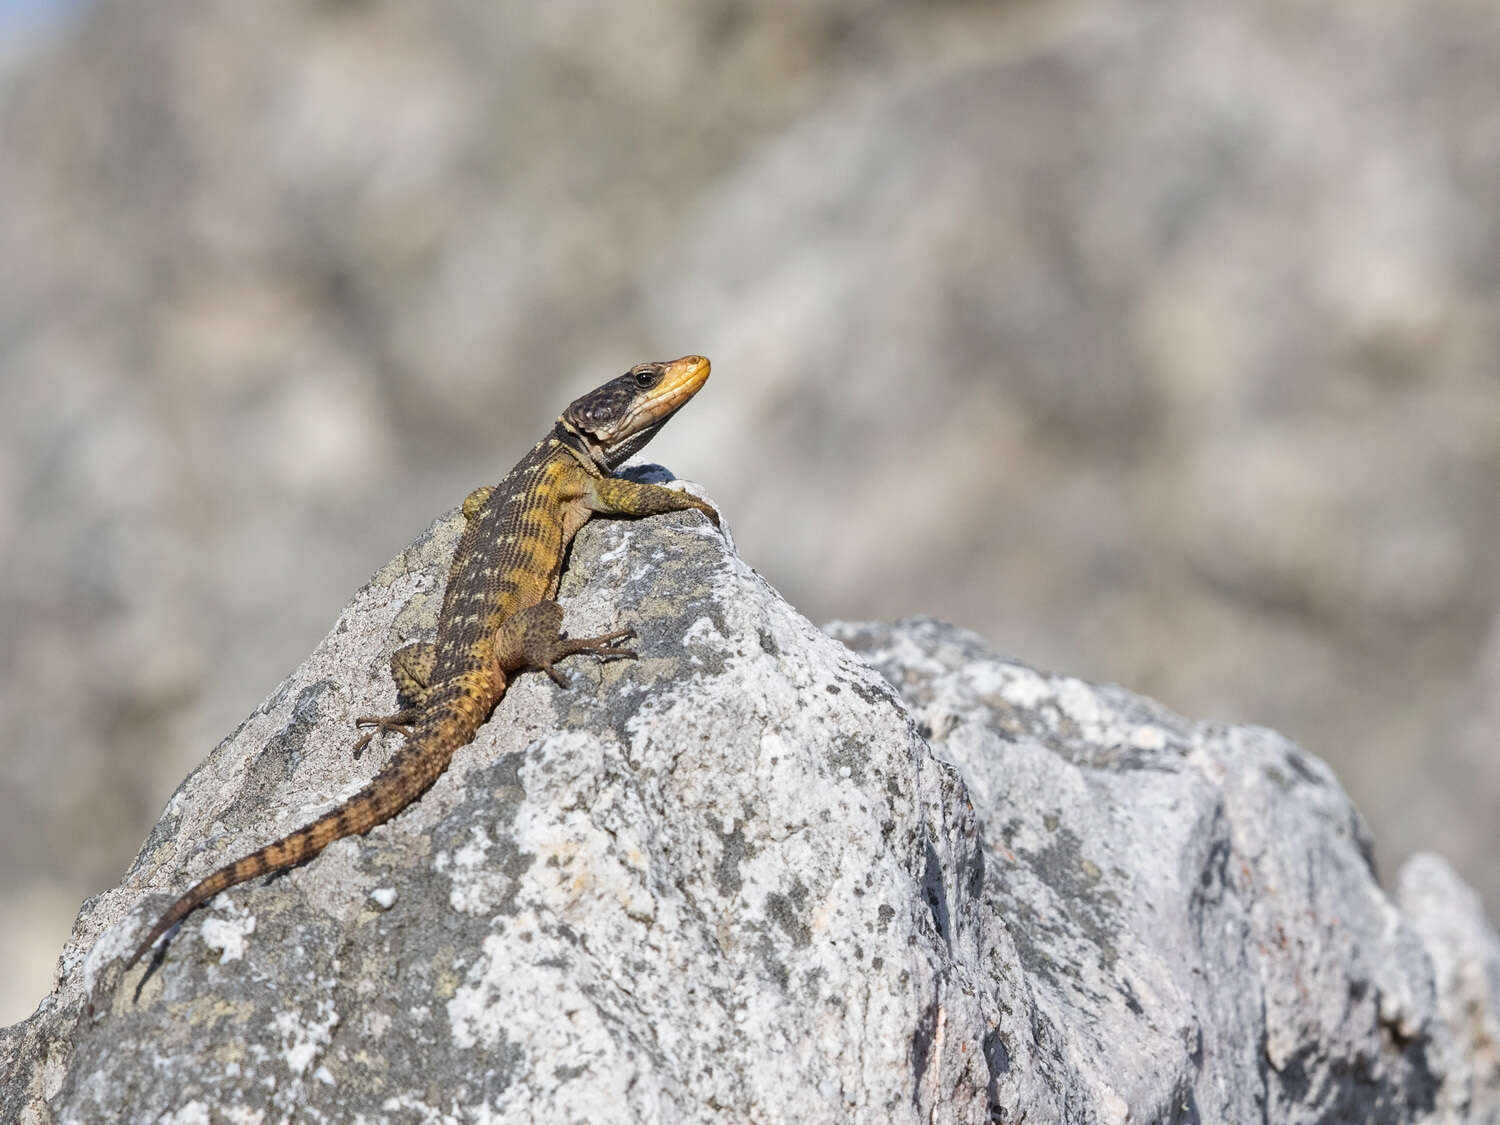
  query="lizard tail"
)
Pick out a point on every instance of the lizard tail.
point(405, 778)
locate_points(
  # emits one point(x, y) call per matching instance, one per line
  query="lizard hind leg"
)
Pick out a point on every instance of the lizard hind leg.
point(533, 638)
point(411, 668)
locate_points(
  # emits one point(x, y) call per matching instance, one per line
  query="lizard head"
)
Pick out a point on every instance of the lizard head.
point(616, 420)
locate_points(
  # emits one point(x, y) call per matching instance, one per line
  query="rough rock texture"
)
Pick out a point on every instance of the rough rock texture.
point(1194, 910)
point(743, 879)
point(1202, 297)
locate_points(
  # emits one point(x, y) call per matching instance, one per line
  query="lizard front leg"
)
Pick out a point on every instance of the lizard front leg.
point(411, 668)
point(614, 496)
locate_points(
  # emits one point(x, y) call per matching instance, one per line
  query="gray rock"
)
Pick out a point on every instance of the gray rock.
point(1465, 953)
point(696, 880)
point(1192, 929)
point(1204, 297)
point(742, 878)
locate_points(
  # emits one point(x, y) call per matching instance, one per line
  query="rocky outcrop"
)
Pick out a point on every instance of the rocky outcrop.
point(768, 873)
point(1201, 300)
point(1193, 911)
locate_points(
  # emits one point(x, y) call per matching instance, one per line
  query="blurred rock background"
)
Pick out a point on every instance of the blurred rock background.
point(1159, 342)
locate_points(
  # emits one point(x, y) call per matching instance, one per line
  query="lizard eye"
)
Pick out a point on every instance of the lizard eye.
point(644, 379)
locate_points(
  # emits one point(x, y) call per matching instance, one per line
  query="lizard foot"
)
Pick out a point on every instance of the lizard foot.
point(399, 722)
point(600, 646)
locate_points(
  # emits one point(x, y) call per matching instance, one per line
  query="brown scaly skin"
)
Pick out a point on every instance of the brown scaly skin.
point(498, 615)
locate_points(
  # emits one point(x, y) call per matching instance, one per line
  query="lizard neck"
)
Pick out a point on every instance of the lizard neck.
point(576, 446)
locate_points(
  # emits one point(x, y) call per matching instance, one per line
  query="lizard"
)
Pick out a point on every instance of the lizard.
point(498, 615)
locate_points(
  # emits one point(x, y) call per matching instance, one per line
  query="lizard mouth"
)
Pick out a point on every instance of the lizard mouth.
point(681, 380)
point(649, 410)
point(617, 419)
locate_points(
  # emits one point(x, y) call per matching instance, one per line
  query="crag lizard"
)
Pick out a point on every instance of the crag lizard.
point(498, 616)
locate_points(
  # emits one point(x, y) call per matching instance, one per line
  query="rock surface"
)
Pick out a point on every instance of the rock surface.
point(747, 878)
point(1204, 299)
point(1193, 909)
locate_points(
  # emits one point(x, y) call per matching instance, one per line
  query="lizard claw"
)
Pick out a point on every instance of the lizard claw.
point(399, 722)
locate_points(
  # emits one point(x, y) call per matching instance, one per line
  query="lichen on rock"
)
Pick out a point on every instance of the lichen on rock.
point(768, 872)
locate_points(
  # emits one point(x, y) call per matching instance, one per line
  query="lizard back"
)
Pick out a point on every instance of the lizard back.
point(509, 557)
